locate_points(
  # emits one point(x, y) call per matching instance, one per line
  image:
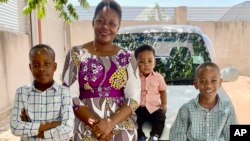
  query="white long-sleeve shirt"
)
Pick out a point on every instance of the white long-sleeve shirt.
point(53, 104)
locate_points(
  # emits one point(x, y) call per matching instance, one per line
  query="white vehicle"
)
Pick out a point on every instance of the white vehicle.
point(179, 50)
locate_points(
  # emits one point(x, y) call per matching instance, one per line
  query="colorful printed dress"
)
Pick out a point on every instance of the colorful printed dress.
point(104, 84)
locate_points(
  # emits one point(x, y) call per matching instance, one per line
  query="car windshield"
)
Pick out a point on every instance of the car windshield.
point(177, 54)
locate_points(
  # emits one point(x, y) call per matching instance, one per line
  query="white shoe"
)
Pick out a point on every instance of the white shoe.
point(153, 138)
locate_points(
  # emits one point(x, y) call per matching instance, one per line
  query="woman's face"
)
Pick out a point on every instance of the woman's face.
point(106, 24)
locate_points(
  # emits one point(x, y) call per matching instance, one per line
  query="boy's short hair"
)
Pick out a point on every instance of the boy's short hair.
point(143, 48)
point(206, 64)
point(42, 46)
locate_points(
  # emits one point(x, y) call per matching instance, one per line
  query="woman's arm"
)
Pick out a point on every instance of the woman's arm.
point(70, 76)
point(86, 116)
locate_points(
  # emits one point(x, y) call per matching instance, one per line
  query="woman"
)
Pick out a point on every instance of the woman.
point(108, 87)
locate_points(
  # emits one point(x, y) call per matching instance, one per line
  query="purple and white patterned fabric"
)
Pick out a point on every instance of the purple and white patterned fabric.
point(103, 84)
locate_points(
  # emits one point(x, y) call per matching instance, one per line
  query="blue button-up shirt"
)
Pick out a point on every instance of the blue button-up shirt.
point(195, 123)
point(53, 104)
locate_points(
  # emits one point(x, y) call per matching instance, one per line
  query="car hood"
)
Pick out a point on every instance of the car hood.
point(176, 97)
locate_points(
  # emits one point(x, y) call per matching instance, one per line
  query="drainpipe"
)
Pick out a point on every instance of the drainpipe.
point(31, 30)
point(39, 31)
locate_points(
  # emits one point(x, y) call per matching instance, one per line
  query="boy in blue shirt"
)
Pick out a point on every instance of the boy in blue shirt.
point(42, 110)
point(208, 116)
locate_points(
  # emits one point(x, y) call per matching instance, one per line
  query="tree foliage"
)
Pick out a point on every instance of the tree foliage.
point(159, 13)
point(64, 7)
point(3, 1)
point(177, 65)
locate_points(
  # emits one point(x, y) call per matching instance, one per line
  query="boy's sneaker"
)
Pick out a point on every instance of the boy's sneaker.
point(153, 138)
point(143, 138)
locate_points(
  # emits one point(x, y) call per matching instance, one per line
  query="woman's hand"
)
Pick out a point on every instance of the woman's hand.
point(86, 116)
point(103, 129)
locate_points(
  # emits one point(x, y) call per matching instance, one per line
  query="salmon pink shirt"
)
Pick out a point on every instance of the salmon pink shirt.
point(150, 91)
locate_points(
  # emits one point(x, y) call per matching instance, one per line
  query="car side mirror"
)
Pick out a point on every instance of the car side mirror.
point(229, 74)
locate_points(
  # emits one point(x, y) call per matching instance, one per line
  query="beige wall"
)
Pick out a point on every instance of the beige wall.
point(82, 31)
point(230, 39)
point(231, 42)
point(3, 87)
point(180, 15)
point(14, 68)
point(14, 59)
point(53, 34)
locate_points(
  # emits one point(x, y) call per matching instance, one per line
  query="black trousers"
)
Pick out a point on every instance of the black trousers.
point(156, 119)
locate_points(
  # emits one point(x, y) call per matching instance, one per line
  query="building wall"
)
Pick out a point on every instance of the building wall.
point(14, 68)
point(53, 34)
point(230, 39)
point(231, 43)
point(14, 50)
point(81, 32)
point(9, 16)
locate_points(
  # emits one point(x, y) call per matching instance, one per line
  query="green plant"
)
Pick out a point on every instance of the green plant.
point(64, 7)
point(177, 65)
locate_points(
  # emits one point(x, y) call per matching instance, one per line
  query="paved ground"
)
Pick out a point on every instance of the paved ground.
point(238, 91)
